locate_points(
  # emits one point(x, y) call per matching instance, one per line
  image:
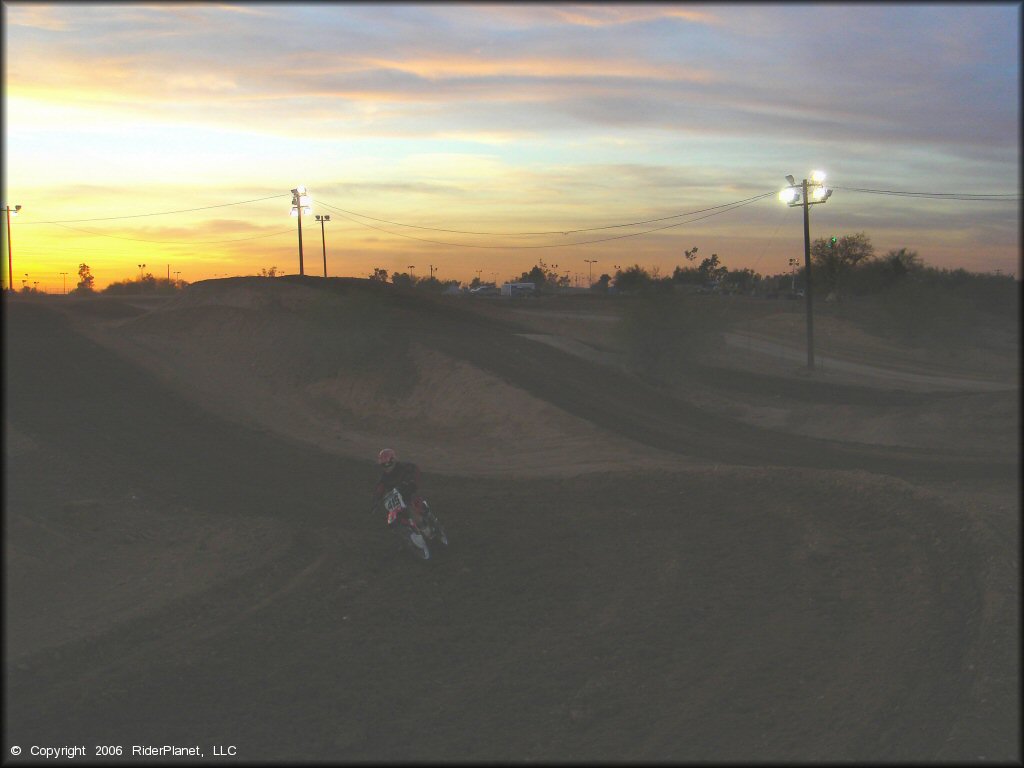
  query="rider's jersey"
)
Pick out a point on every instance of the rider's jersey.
point(405, 477)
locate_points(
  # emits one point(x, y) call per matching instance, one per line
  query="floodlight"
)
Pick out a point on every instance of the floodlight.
point(820, 193)
point(791, 180)
point(788, 195)
point(817, 176)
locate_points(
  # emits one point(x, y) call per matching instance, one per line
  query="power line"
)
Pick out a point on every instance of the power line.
point(549, 232)
point(731, 207)
point(712, 211)
point(160, 213)
point(170, 242)
point(962, 196)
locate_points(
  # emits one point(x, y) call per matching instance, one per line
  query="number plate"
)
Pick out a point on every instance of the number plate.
point(393, 502)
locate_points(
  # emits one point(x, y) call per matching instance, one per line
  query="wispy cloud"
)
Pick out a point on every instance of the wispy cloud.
point(36, 16)
point(605, 16)
point(540, 15)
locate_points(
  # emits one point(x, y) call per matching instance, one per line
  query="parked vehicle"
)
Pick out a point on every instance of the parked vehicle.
point(518, 289)
point(485, 289)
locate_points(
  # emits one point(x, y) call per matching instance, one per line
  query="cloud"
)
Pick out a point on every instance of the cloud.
point(362, 71)
point(36, 16)
point(458, 66)
point(530, 16)
point(604, 16)
point(544, 110)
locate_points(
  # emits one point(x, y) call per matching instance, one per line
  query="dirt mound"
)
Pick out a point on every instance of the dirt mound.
point(460, 419)
point(104, 308)
point(337, 369)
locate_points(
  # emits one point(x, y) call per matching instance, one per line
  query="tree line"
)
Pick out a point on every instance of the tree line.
point(145, 283)
point(840, 267)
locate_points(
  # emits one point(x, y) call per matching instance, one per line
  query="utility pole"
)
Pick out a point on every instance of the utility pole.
point(301, 269)
point(323, 239)
point(300, 206)
point(794, 195)
point(10, 259)
point(590, 270)
point(807, 278)
point(64, 275)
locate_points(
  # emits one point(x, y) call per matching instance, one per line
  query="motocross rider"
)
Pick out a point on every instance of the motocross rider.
point(403, 475)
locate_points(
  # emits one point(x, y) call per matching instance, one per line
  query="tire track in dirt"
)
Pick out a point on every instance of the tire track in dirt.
point(623, 404)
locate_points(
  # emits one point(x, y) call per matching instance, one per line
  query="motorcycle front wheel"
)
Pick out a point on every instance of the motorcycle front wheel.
point(416, 542)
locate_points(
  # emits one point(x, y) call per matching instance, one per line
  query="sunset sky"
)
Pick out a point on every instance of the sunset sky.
point(441, 134)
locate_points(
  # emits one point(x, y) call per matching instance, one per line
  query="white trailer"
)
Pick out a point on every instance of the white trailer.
point(518, 289)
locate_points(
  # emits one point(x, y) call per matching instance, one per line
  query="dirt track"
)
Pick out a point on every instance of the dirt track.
point(182, 572)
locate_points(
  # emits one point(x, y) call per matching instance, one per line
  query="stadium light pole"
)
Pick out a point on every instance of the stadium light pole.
point(801, 195)
point(590, 270)
point(301, 206)
point(323, 240)
point(10, 258)
point(64, 275)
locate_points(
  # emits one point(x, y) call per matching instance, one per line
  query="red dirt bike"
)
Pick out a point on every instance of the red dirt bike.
point(418, 539)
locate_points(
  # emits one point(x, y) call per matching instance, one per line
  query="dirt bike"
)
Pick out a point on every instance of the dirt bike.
point(418, 539)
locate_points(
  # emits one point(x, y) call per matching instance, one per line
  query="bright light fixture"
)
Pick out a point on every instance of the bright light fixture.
point(788, 195)
point(820, 193)
point(817, 176)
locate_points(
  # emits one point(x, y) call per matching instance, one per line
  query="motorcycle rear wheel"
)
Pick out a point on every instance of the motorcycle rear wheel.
point(439, 535)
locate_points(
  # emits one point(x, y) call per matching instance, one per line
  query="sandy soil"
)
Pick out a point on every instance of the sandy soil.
point(635, 574)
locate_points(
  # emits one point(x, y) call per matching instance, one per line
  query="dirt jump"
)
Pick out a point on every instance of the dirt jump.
point(712, 558)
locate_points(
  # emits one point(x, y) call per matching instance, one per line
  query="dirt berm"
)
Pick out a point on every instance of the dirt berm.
point(190, 560)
